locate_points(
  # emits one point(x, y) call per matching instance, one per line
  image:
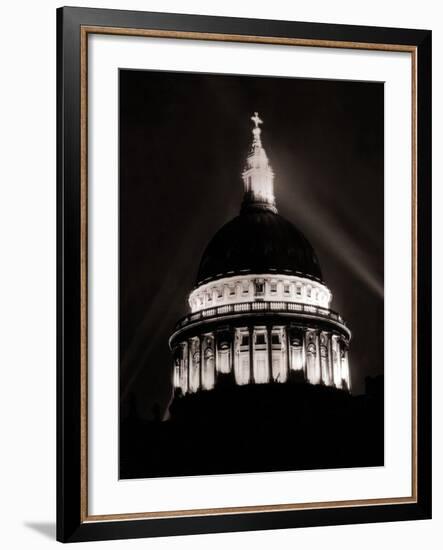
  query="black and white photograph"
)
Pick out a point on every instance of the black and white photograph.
point(251, 274)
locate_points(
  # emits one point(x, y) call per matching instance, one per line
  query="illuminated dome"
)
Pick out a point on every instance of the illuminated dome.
point(260, 311)
point(258, 241)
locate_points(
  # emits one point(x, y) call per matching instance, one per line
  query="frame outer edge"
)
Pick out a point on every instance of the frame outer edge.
point(59, 170)
point(68, 278)
point(424, 267)
point(69, 521)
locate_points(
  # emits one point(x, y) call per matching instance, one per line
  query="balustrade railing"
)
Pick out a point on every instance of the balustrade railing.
point(259, 306)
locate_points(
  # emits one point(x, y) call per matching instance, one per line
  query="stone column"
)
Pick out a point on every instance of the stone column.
point(303, 354)
point(236, 369)
point(346, 370)
point(330, 360)
point(269, 337)
point(318, 377)
point(176, 369)
point(232, 352)
point(337, 365)
point(189, 365)
point(215, 356)
point(324, 361)
point(343, 360)
point(184, 367)
point(288, 352)
point(200, 366)
point(251, 355)
point(309, 373)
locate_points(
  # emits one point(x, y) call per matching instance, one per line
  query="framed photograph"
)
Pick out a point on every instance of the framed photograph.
point(244, 274)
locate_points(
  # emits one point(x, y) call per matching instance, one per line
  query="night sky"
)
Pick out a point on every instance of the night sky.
point(183, 144)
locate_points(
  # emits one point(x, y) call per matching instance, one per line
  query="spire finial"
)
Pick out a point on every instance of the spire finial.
point(256, 131)
point(256, 119)
point(258, 176)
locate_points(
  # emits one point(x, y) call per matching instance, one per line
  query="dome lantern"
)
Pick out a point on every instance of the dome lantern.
point(258, 176)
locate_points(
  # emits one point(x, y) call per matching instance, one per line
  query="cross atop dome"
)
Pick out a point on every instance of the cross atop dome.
point(256, 119)
point(256, 131)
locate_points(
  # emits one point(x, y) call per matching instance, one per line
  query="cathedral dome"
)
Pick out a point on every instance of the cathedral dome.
point(258, 241)
point(260, 309)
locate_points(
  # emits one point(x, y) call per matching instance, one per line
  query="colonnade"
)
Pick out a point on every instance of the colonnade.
point(259, 355)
